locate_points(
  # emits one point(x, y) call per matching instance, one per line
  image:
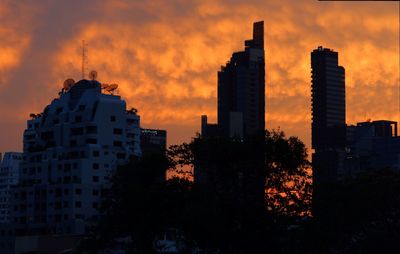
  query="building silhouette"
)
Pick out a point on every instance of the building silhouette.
point(153, 141)
point(328, 115)
point(9, 176)
point(70, 151)
point(241, 91)
point(372, 146)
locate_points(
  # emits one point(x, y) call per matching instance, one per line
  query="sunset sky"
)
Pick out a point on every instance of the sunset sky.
point(165, 54)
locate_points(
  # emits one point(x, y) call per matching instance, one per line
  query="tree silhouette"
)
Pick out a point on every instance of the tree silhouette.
point(288, 175)
point(225, 209)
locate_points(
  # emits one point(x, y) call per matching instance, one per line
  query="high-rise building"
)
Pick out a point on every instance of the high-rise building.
point(241, 90)
point(328, 115)
point(70, 151)
point(328, 100)
point(9, 176)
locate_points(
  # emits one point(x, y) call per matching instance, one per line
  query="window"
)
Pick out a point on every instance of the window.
point(95, 165)
point(67, 179)
point(58, 192)
point(95, 179)
point(95, 192)
point(57, 205)
point(76, 131)
point(78, 191)
point(91, 129)
point(91, 141)
point(113, 118)
point(78, 204)
point(96, 153)
point(78, 119)
point(118, 143)
point(117, 131)
point(120, 156)
point(72, 142)
point(81, 107)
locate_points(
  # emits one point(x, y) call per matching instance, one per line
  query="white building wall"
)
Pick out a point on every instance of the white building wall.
point(70, 151)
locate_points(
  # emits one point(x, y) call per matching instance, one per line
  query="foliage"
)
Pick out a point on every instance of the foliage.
point(360, 215)
point(223, 210)
point(288, 175)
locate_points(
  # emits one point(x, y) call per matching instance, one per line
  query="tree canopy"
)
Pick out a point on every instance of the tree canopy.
point(244, 195)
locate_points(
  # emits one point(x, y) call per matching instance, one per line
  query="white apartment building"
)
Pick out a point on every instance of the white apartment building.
point(9, 176)
point(70, 151)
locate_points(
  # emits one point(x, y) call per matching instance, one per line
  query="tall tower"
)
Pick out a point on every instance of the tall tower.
point(328, 100)
point(328, 116)
point(241, 89)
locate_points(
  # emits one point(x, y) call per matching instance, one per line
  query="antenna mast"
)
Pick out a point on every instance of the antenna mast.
point(84, 58)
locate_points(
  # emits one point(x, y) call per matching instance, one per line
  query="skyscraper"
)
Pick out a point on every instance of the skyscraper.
point(241, 89)
point(328, 100)
point(328, 115)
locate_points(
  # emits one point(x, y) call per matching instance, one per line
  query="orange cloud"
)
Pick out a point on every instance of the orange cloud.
point(165, 56)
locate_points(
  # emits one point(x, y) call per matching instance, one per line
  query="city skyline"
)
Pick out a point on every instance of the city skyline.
point(169, 73)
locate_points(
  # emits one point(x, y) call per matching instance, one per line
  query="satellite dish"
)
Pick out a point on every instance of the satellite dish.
point(104, 86)
point(111, 87)
point(68, 83)
point(93, 75)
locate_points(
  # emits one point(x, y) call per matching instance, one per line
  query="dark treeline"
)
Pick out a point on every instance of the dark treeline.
point(247, 197)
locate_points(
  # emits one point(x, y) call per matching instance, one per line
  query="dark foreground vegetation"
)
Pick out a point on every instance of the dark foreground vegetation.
point(247, 197)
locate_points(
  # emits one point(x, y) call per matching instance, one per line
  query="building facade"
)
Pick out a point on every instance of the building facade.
point(9, 176)
point(373, 146)
point(241, 89)
point(241, 92)
point(328, 115)
point(153, 141)
point(70, 151)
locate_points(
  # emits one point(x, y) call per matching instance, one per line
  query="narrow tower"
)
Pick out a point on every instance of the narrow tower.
point(328, 116)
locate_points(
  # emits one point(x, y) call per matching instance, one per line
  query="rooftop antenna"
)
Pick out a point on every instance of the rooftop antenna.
point(93, 75)
point(84, 57)
point(111, 88)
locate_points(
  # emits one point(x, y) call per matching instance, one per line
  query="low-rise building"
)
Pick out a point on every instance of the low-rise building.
point(372, 146)
point(153, 141)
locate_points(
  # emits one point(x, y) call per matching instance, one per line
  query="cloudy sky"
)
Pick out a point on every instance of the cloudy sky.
point(165, 54)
